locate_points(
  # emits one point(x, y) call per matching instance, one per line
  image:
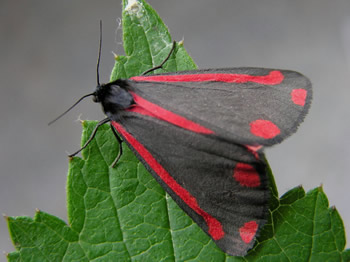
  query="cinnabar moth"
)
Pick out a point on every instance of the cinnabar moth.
point(201, 135)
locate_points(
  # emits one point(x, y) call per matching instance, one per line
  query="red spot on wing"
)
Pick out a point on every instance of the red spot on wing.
point(264, 128)
point(298, 96)
point(145, 107)
point(214, 226)
point(246, 175)
point(273, 78)
point(248, 231)
point(254, 149)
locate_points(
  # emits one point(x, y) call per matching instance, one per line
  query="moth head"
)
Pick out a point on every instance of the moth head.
point(97, 94)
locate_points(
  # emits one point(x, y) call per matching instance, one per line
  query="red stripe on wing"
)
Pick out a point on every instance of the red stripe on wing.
point(214, 226)
point(145, 107)
point(273, 78)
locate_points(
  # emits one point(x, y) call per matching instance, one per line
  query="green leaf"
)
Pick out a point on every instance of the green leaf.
point(146, 43)
point(122, 214)
point(302, 228)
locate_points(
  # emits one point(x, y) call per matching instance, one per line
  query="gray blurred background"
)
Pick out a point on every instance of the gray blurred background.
point(48, 53)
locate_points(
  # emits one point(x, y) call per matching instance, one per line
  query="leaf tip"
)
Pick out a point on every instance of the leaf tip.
point(116, 57)
point(9, 219)
point(320, 188)
point(300, 188)
point(133, 6)
point(5, 217)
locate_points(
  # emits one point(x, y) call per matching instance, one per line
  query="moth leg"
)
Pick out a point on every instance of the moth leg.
point(120, 141)
point(161, 65)
point(104, 121)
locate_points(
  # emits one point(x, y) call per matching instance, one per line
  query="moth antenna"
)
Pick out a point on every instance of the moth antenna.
point(65, 112)
point(98, 79)
point(99, 56)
